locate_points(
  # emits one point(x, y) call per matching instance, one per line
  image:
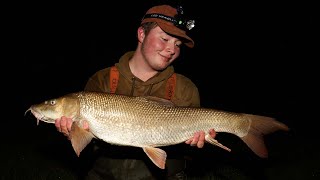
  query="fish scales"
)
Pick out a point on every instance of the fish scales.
point(171, 125)
point(150, 122)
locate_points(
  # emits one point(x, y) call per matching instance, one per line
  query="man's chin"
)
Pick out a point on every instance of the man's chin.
point(161, 68)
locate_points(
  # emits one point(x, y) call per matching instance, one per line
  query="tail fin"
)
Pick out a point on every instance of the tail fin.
point(260, 126)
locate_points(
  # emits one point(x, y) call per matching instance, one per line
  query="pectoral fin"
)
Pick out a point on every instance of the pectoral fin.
point(79, 138)
point(215, 142)
point(157, 156)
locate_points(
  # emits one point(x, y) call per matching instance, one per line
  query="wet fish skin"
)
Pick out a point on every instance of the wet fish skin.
point(150, 122)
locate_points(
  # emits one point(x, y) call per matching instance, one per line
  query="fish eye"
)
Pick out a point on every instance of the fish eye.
point(52, 102)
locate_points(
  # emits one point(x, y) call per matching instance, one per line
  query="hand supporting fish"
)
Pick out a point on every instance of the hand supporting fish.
point(150, 122)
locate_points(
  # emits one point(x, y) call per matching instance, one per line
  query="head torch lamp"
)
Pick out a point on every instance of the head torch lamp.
point(181, 22)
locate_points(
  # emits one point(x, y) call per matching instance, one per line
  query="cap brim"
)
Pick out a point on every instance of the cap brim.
point(173, 30)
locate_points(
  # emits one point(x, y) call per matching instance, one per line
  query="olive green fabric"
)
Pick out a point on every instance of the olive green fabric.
point(118, 162)
point(186, 93)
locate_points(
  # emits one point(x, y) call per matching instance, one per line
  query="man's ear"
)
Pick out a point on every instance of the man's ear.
point(140, 34)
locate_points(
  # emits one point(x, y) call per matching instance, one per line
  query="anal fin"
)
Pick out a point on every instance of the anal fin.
point(157, 156)
point(210, 140)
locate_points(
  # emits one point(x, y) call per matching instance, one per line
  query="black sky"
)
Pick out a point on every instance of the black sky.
point(251, 57)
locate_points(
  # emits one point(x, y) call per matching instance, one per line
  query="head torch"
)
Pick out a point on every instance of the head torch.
point(181, 22)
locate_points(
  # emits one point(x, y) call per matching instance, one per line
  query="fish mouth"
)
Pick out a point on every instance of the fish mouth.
point(38, 115)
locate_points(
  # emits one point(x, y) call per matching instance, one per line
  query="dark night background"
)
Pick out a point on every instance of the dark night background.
point(256, 58)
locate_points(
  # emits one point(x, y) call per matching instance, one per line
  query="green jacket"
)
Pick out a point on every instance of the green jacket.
point(117, 162)
point(186, 93)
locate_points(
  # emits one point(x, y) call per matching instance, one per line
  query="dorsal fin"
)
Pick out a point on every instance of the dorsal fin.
point(161, 101)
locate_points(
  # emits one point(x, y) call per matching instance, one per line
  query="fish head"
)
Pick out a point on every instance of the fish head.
point(52, 109)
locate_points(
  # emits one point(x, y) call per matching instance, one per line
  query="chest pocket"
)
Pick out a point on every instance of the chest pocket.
point(170, 86)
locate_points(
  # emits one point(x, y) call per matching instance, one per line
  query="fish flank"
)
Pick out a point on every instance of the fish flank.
point(150, 122)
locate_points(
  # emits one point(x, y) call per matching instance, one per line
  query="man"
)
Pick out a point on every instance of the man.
point(146, 71)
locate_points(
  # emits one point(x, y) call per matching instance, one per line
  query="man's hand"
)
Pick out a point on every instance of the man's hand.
point(64, 125)
point(199, 138)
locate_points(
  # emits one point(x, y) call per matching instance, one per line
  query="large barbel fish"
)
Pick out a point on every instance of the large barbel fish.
point(150, 122)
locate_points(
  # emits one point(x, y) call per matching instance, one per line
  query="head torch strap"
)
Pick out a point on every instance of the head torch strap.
point(179, 21)
point(160, 16)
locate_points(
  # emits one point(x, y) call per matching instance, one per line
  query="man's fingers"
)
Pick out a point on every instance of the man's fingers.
point(69, 124)
point(212, 133)
point(200, 142)
point(57, 124)
point(63, 126)
point(189, 141)
point(199, 138)
point(85, 125)
point(195, 139)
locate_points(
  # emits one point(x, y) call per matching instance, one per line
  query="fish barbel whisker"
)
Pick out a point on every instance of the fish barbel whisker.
point(30, 110)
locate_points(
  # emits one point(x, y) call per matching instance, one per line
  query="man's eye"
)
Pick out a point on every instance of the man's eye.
point(164, 39)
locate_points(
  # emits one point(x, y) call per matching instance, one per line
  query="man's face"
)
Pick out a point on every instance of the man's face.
point(160, 49)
